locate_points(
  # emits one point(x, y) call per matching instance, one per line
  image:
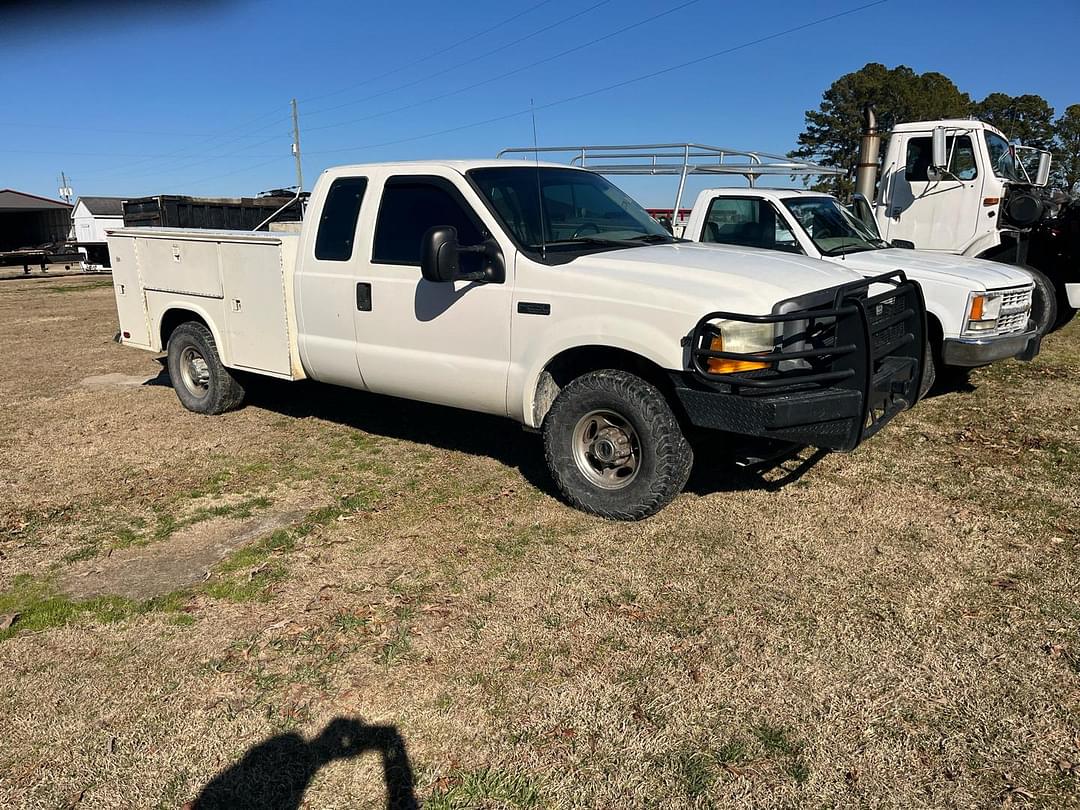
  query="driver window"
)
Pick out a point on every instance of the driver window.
point(748, 223)
point(920, 152)
point(408, 208)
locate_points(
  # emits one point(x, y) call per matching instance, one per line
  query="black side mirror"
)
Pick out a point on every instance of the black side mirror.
point(440, 257)
point(902, 243)
point(439, 254)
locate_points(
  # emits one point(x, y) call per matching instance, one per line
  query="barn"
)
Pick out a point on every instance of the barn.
point(31, 222)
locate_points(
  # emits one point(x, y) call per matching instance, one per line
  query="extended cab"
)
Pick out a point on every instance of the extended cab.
point(537, 292)
point(977, 311)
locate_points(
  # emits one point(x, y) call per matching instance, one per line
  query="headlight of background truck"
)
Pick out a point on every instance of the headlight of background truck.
point(982, 312)
point(743, 338)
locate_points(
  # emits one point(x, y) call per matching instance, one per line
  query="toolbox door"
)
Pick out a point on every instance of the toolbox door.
point(130, 300)
point(256, 327)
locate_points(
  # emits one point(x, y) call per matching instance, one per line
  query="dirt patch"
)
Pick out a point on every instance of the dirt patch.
point(143, 572)
point(114, 379)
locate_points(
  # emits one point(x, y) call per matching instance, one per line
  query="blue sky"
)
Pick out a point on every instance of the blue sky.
point(193, 97)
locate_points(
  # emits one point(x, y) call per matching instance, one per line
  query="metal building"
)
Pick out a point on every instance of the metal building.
point(32, 228)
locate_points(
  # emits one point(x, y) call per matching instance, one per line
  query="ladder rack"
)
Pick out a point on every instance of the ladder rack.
point(679, 159)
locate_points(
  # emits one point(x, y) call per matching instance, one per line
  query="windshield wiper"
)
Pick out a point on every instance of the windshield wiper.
point(656, 238)
point(594, 240)
point(842, 250)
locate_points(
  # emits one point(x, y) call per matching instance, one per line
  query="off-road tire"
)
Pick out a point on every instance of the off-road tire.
point(223, 392)
point(665, 455)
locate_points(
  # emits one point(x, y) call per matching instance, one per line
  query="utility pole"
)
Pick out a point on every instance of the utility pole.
point(296, 148)
point(65, 189)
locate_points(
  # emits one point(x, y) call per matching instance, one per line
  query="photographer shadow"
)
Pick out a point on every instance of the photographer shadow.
point(275, 774)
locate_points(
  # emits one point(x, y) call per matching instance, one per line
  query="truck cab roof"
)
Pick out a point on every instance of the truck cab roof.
point(948, 123)
point(462, 166)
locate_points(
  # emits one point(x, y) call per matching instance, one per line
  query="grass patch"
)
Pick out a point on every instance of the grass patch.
point(39, 606)
point(70, 288)
point(484, 787)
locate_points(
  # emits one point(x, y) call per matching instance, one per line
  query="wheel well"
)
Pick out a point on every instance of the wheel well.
point(173, 318)
point(568, 365)
point(935, 334)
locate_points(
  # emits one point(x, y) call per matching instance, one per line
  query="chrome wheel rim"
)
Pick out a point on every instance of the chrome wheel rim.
point(606, 449)
point(194, 372)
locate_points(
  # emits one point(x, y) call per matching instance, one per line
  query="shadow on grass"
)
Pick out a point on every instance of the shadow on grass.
point(275, 774)
point(715, 468)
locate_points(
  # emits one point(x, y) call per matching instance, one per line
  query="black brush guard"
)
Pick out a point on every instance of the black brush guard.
point(843, 369)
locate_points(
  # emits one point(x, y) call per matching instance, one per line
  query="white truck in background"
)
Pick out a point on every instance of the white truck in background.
point(537, 292)
point(977, 311)
point(959, 187)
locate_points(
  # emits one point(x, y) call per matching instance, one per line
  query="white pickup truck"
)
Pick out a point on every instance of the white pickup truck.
point(977, 311)
point(538, 292)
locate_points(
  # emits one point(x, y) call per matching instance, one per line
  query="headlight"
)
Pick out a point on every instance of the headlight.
point(982, 312)
point(741, 338)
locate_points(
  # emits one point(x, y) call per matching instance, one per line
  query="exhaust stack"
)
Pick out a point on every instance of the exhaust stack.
point(869, 150)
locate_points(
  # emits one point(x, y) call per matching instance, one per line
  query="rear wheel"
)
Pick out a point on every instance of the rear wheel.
point(614, 447)
point(201, 382)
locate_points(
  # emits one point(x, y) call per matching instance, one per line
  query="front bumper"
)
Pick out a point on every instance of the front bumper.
point(971, 352)
point(842, 371)
point(1072, 292)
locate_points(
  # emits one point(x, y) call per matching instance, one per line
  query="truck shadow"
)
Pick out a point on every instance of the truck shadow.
point(275, 774)
point(715, 469)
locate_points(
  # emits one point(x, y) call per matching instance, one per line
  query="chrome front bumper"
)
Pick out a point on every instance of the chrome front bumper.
point(981, 351)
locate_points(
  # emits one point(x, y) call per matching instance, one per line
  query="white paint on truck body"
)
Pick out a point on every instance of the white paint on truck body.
point(459, 343)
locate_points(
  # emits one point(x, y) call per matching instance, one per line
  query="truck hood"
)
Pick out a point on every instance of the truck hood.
point(742, 279)
point(925, 265)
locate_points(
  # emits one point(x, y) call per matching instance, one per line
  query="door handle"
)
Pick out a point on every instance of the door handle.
point(363, 296)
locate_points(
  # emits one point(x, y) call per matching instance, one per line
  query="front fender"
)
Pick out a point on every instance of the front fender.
point(658, 345)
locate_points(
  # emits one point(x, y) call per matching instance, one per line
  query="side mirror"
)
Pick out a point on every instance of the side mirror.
point(1042, 176)
point(439, 253)
point(938, 158)
point(903, 243)
point(440, 257)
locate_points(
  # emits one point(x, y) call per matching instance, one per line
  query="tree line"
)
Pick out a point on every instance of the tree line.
point(900, 94)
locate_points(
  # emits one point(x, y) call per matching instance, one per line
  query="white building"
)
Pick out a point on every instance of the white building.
point(89, 220)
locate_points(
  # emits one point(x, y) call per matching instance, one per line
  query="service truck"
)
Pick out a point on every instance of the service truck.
point(977, 311)
point(538, 292)
point(958, 186)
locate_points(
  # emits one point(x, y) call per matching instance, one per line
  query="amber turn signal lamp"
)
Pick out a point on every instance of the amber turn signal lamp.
point(988, 201)
point(721, 365)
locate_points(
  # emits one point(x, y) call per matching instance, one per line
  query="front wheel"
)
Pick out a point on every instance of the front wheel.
point(614, 447)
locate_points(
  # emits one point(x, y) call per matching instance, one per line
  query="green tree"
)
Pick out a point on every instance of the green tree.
point(898, 94)
point(1067, 148)
point(1027, 118)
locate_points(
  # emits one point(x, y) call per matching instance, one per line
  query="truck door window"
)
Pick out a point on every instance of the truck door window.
point(747, 222)
point(408, 208)
point(962, 164)
point(337, 227)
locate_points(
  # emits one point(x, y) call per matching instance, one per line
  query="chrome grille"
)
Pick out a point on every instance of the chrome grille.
point(1015, 310)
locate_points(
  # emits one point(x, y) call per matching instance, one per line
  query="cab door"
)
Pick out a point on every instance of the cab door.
point(440, 342)
point(935, 214)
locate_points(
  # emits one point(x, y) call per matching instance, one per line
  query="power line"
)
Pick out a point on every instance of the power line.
point(508, 73)
point(486, 55)
point(430, 56)
point(614, 86)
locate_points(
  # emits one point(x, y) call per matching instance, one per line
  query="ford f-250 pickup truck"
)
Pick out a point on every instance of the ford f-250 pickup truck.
point(538, 292)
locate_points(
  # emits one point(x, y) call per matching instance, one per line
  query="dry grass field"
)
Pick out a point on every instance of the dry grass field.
point(334, 600)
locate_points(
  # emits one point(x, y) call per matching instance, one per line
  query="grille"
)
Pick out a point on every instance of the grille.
point(1015, 310)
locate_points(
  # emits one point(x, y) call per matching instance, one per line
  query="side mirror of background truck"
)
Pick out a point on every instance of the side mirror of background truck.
point(1042, 176)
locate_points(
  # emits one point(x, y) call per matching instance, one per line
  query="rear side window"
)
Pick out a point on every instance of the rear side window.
point(407, 210)
point(337, 227)
point(749, 223)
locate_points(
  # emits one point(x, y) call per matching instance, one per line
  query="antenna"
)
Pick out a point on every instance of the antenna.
point(539, 193)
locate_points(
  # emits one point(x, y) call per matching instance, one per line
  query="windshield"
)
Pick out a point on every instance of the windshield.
point(579, 208)
point(833, 228)
point(1003, 158)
